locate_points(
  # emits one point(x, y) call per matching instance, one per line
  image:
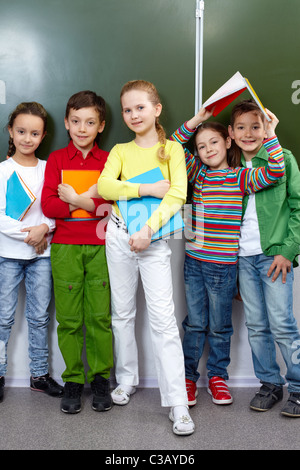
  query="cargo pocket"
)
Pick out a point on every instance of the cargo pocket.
point(68, 300)
point(97, 297)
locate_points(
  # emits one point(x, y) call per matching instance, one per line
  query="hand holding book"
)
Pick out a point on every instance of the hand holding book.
point(202, 115)
point(77, 189)
point(67, 194)
point(136, 212)
point(158, 189)
point(229, 91)
point(270, 125)
point(140, 240)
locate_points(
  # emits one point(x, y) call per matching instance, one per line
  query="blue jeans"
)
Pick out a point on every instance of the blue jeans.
point(209, 288)
point(38, 285)
point(269, 317)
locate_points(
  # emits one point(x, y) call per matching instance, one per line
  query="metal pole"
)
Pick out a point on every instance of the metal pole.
point(199, 54)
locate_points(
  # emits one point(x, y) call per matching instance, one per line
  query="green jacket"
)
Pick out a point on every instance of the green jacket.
point(278, 209)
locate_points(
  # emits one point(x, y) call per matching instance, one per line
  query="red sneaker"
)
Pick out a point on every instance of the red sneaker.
point(192, 392)
point(218, 389)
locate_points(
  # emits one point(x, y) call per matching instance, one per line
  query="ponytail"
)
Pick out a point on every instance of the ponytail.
point(161, 152)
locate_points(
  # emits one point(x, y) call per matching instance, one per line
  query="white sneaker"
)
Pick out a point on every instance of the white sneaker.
point(121, 394)
point(183, 424)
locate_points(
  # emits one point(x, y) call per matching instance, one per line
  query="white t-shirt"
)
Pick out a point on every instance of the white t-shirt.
point(11, 238)
point(249, 244)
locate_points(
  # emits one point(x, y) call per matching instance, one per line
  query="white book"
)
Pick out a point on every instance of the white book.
point(236, 85)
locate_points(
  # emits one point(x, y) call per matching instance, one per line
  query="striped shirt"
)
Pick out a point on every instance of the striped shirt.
point(214, 220)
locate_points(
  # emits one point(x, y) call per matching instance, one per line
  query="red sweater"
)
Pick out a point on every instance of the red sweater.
point(68, 231)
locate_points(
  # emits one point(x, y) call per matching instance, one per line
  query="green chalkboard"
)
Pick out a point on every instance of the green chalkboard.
point(260, 39)
point(52, 49)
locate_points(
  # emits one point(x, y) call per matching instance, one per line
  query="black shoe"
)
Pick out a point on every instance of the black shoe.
point(46, 384)
point(2, 382)
point(101, 394)
point(292, 406)
point(266, 397)
point(71, 401)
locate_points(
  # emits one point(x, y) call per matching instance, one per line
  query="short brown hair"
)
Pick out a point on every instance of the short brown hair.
point(243, 107)
point(87, 99)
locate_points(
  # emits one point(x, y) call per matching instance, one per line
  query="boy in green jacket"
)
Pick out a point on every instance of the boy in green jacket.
point(269, 248)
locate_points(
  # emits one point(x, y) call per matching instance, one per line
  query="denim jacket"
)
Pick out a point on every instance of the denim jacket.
point(278, 209)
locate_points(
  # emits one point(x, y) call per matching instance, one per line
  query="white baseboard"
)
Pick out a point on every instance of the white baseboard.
point(151, 382)
point(23, 382)
point(148, 382)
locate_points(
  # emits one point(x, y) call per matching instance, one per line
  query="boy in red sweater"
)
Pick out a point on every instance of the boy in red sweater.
point(80, 275)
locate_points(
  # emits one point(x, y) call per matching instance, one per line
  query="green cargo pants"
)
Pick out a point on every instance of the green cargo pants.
point(82, 301)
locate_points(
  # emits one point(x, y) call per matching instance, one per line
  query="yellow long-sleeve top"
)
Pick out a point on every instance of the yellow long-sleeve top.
point(128, 160)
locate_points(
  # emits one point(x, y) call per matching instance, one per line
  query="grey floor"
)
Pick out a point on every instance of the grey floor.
point(33, 421)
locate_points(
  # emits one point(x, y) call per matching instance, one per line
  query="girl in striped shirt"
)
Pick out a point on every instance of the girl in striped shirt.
point(210, 269)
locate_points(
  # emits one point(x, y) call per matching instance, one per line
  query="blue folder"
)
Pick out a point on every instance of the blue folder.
point(137, 211)
point(19, 198)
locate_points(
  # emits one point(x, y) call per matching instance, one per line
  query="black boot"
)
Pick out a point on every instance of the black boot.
point(71, 401)
point(101, 394)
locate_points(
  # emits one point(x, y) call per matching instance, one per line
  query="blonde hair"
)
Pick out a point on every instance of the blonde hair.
point(149, 88)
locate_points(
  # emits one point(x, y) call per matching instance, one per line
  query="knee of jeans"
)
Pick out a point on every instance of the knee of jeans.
point(195, 323)
point(221, 326)
point(38, 321)
point(7, 319)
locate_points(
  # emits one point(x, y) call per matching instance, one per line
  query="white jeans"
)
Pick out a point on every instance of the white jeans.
point(154, 267)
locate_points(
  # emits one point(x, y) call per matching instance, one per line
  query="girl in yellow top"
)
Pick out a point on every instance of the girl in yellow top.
point(127, 256)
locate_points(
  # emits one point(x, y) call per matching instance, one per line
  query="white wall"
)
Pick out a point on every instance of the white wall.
point(240, 369)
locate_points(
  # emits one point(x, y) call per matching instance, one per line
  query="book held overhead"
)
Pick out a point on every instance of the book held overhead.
point(228, 92)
